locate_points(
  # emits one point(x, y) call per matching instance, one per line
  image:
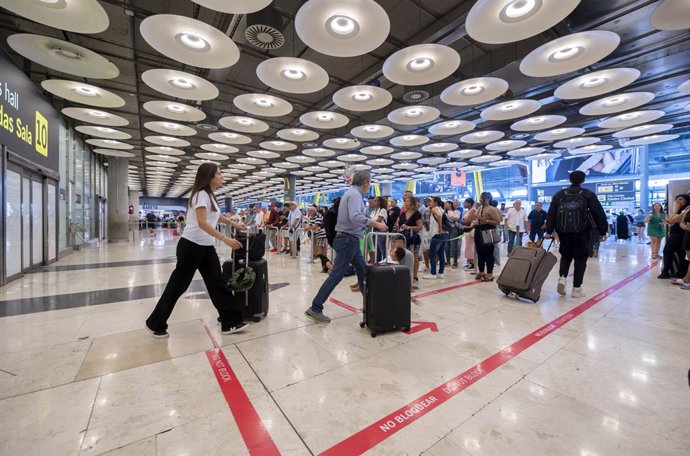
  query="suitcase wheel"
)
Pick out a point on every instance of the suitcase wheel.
point(373, 334)
point(406, 328)
point(257, 319)
point(362, 324)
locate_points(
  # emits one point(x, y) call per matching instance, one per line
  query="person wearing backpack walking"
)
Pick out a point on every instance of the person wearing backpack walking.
point(573, 213)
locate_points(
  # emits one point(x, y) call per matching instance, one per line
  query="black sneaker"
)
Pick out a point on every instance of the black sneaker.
point(160, 334)
point(233, 329)
point(663, 276)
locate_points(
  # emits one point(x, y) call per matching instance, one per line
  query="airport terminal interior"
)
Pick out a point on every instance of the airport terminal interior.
point(110, 110)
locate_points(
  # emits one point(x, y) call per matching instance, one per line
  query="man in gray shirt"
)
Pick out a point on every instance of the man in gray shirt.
point(352, 221)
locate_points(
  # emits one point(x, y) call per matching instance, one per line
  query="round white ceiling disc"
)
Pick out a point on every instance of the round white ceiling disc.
point(243, 124)
point(684, 87)
point(414, 115)
point(485, 159)
point(597, 83)
point(474, 91)
point(83, 93)
point(63, 56)
point(234, 6)
point(538, 123)
point(510, 109)
point(482, 137)
point(109, 144)
point(569, 53)
point(642, 130)
point(331, 164)
point(189, 41)
point(103, 132)
point(405, 166)
point(616, 103)
point(263, 154)
point(421, 64)
point(227, 137)
point(318, 152)
point(262, 105)
point(380, 162)
point(114, 153)
point(671, 15)
point(352, 158)
point(508, 21)
point(292, 75)
point(79, 16)
point(406, 155)
point(473, 168)
point(95, 116)
point(409, 140)
point(341, 143)
point(170, 128)
point(362, 98)
point(506, 145)
point(300, 159)
point(500, 163)
point(286, 165)
point(211, 156)
point(372, 131)
point(439, 147)
point(432, 161)
point(251, 161)
point(174, 111)
point(202, 161)
point(652, 139)
point(164, 150)
point(587, 150)
point(220, 148)
point(454, 164)
point(179, 84)
point(316, 169)
point(574, 143)
point(297, 134)
point(526, 151)
point(342, 28)
point(244, 166)
point(465, 154)
point(452, 127)
point(167, 141)
point(630, 119)
point(544, 156)
point(324, 119)
point(160, 164)
point(376, 150)
point(280, 146)
point(559, 133)
point(384, 171)
point(164, 158)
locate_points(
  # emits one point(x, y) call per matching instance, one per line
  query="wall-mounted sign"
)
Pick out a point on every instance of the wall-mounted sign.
point(615, 192)
point(29, 125)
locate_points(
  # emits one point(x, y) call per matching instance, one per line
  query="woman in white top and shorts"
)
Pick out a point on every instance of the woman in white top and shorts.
point(196, 252)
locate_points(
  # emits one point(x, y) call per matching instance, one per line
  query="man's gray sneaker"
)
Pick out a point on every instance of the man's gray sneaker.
point(318, 317)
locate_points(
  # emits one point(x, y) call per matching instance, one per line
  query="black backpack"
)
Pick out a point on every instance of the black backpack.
point(571, 216)
point(447, 224)
point(329, 222)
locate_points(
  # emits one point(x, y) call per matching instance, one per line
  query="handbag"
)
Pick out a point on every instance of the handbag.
point(490, 237)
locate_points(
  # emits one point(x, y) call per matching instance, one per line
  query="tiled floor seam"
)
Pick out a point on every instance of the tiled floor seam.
point(270, 394)
point(88, 423)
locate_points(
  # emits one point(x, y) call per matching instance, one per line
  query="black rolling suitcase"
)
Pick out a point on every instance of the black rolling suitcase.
point(525, 272)
point(254, 303)
point(387, 298)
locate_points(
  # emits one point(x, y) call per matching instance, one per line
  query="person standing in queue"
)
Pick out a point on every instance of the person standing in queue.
point(196, 252)
point(537, 223)
point(573, 214)
point(349, 228)
point(486, 218)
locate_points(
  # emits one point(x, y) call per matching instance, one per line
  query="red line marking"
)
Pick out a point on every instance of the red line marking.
point(256, 437)
point(345, 306)
point(208, 331)
point(377, 432)
point(422, 325)
point(443, 290)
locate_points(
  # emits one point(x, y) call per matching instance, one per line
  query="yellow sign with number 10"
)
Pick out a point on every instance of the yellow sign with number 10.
point(41, 134)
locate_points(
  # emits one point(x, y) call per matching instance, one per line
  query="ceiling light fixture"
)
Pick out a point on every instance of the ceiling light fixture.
point(419, 65)
point(324, 117)
point(409, 138)
point(615, 101)
point(86, 91)
point(229, 135)
point(412, 113)
point(342, 27)
point(482, 134)
point(519, 10)
point(450, 125)
point(105, 129)
point(298, 132)
point(176, 108)
point(171, 126)
point(264, 103)
point(97, 114)
point(244, 121)
point(341, 140)
point(566, 53)
point(472, 90)
point(371, 129)
point(182, 83)
point(593, 82)
point(558, 131)
point(362, 97)
point(509, 107)
point(193, 41)
point(629, 116)
point(536, 120)
point(292, 74)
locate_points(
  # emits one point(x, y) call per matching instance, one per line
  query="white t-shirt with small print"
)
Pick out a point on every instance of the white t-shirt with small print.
point(192, 231)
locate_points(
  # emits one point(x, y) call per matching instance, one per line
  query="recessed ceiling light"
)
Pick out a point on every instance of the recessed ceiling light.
point(536, 120)
point(376, 147)
point(629, 116)
point(341, 26)
point(482, 134)
point(298, 132)
point(86, 91)
point(413, 113)
point(472, 90)
point(362, 96)
point(293, 74)
point(193, 41)
point(244, 121)
point(593, 82)
point(615, 101)
point(176, 108)
point(409, 137)
point(341, 140)
point(566, 53)
point(519, 10)
point(324, 117)
point(641, 127)
point(230, 135)
point(558, 131)
point(450, 125)
point(105, 129)
point(97, 114)
point(182, 83)
point(171, 126)
point(509, 107)
point(420, 64)
point(371, 129)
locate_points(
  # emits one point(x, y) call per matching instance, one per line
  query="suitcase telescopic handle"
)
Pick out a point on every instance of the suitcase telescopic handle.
point(376, 235)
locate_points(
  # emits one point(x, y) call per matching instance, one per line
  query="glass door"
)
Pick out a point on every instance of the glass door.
point(13, 222)
point(26, 223)
point(36, 221)
point(51, 216)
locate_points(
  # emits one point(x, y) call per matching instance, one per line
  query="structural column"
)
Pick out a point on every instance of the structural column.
point(118, 200)
point(644, 179)
point(290, 182)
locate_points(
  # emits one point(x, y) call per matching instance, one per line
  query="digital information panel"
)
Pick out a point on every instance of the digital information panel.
point(609, 193)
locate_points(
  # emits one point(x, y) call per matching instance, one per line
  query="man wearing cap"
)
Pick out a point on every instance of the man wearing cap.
point(352, 221)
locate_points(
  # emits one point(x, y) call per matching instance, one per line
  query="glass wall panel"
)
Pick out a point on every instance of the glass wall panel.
point(26, 223)
point(13, 224)
point(52, 219)
point(64, 179)
point(37, 222)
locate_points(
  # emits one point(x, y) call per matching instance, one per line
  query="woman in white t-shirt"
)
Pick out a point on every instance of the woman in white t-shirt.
point(196, 252)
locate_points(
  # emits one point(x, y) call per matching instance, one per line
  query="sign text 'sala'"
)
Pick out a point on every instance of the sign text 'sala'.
point(34, 132)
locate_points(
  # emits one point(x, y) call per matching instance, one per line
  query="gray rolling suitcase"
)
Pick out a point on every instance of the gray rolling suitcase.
point(525, 272)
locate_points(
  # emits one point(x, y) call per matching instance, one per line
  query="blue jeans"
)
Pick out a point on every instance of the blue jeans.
point(535, 233)
point(347, 251)
point(438, 249)
point(453, 247)
point(511, 240)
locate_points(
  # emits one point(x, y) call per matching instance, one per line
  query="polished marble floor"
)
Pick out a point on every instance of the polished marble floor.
point(88, 379)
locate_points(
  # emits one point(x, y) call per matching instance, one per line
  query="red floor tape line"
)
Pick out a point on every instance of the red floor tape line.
point(443, 290)
point(345, 306)
point(382, 429)
point(255, 435)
